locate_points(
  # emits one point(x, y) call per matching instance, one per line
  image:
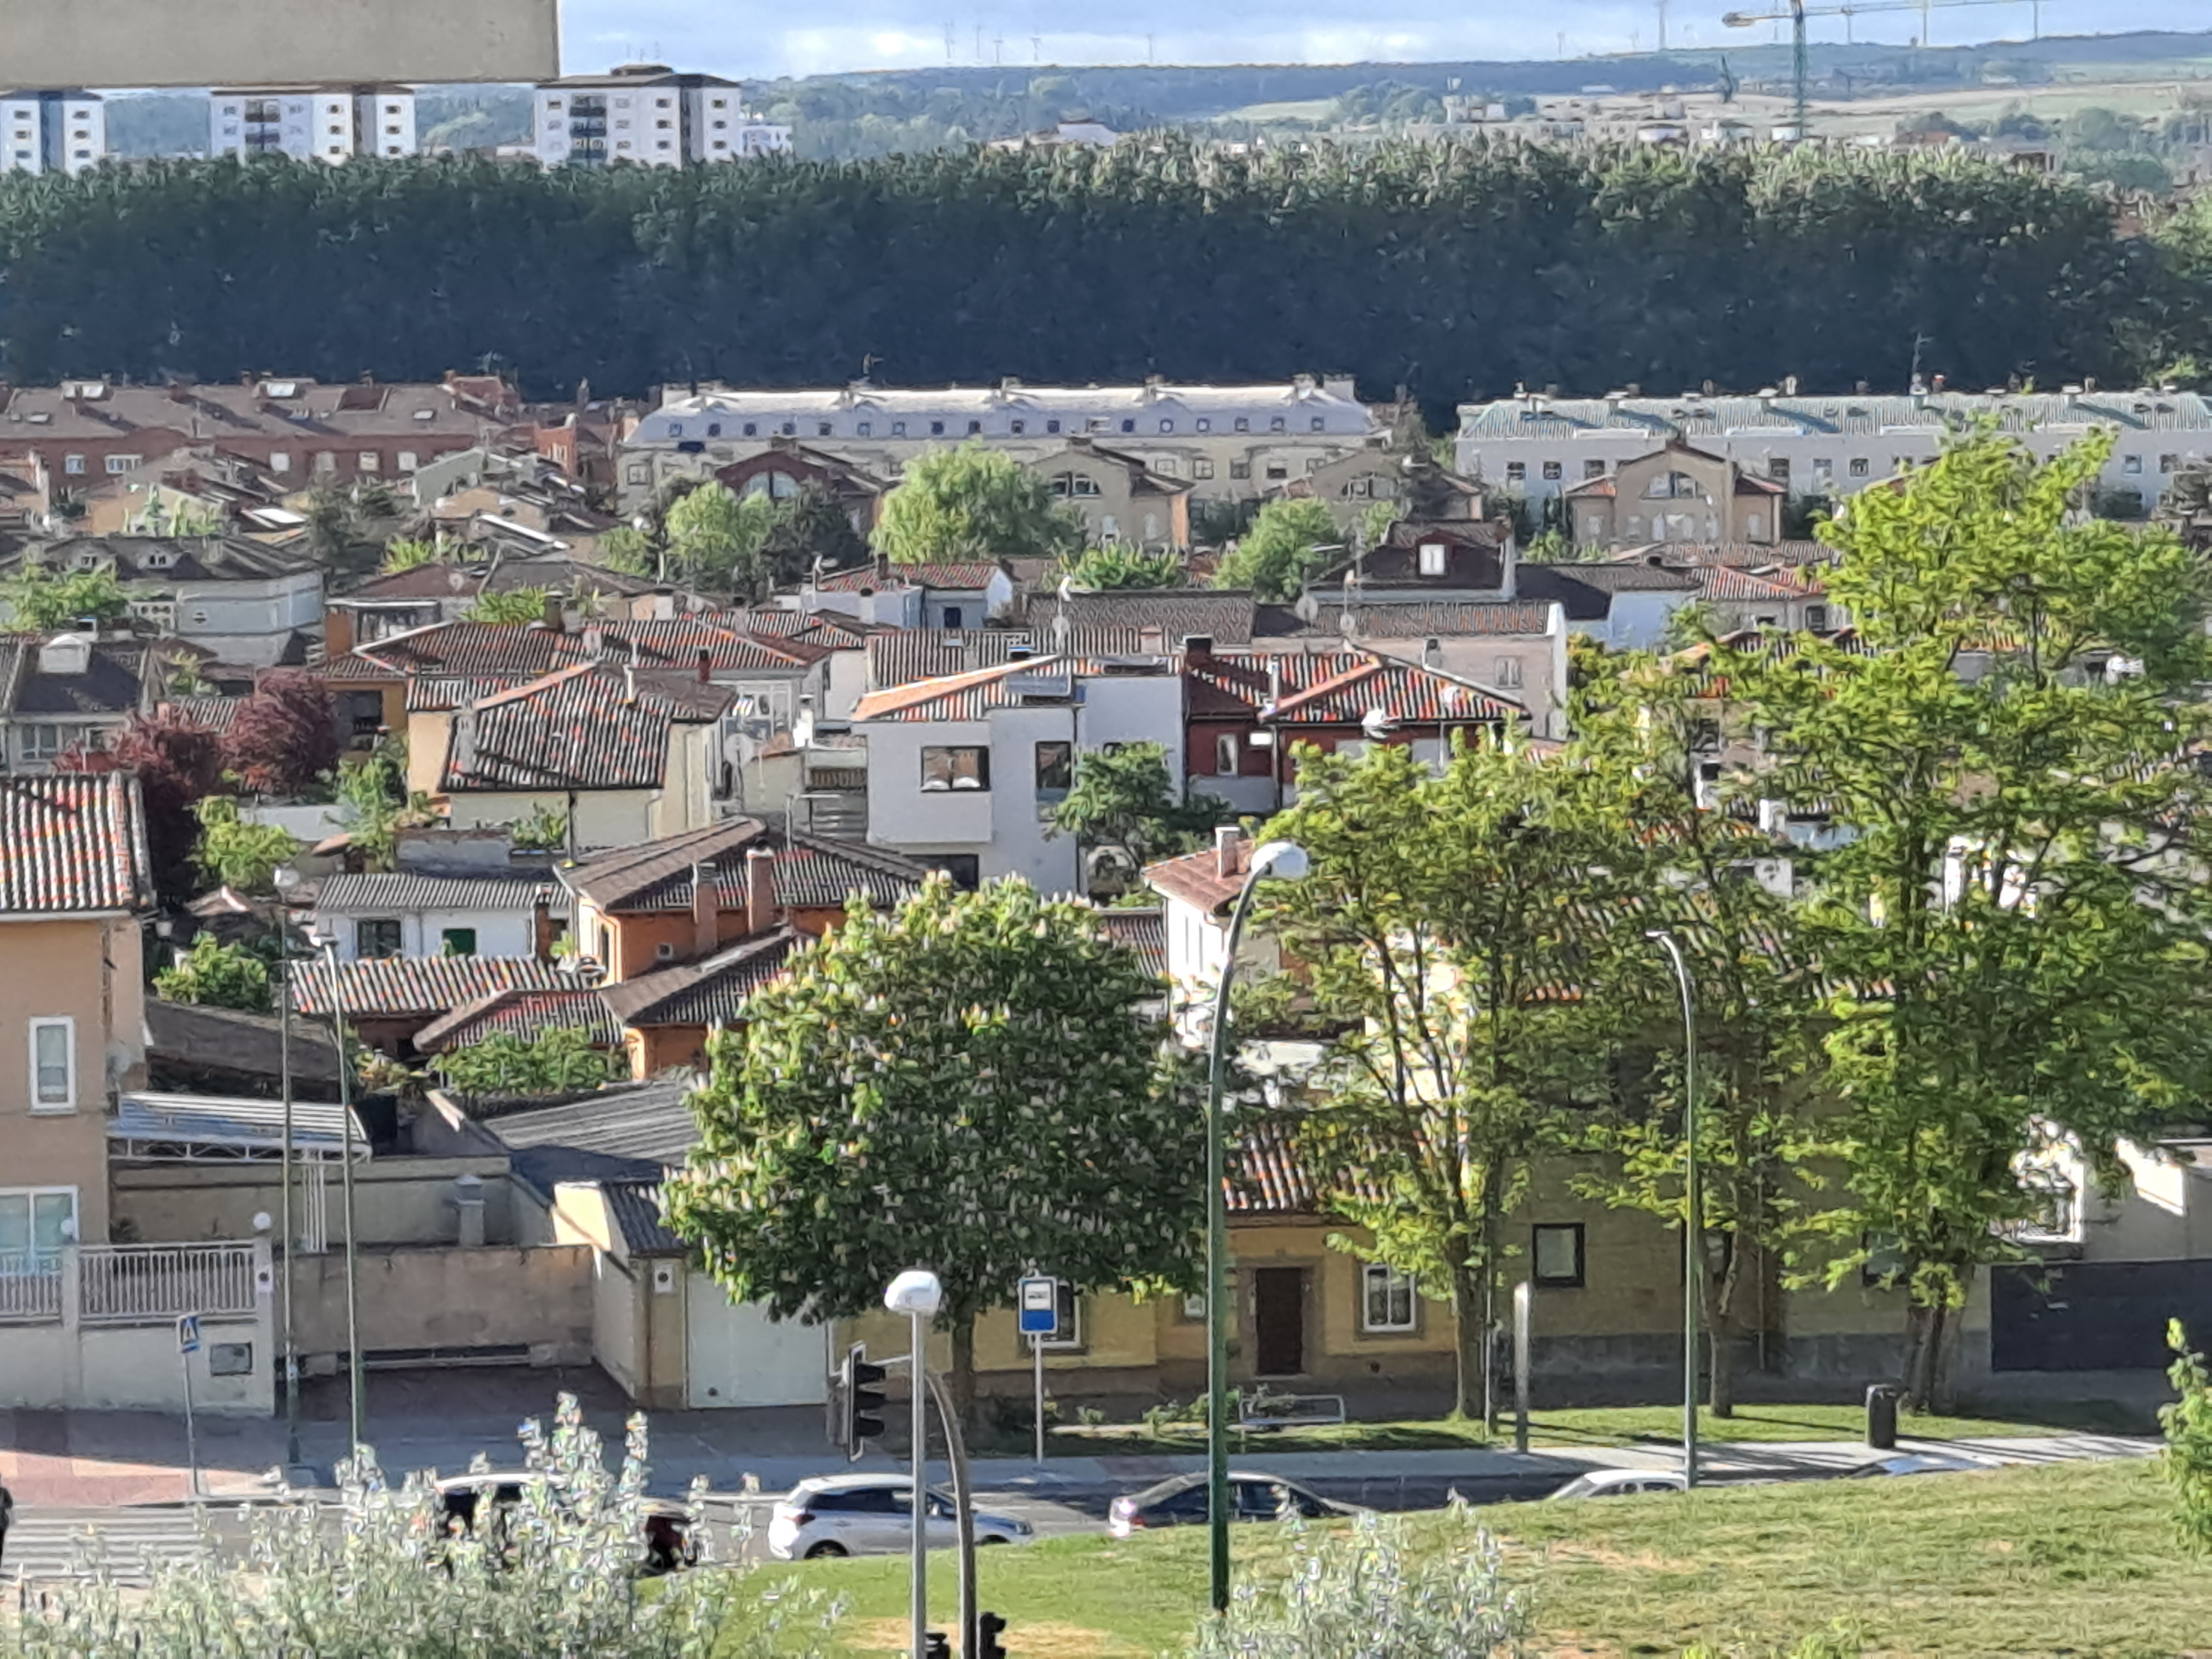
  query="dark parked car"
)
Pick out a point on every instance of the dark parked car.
point(462, 1498)
point(1180, 1501)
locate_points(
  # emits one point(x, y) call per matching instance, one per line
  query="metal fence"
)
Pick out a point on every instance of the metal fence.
point(30, 1284)
point(126, 1283)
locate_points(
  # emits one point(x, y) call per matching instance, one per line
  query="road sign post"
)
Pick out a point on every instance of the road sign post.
point(1524, 1326)
point(188, 1343)
point(1039, 1308)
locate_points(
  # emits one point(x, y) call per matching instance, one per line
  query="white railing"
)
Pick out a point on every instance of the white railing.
point(30, 1284)
point(131, 1284)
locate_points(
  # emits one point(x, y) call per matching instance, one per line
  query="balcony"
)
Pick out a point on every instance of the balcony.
point(129, 1283)
point(30, 1286)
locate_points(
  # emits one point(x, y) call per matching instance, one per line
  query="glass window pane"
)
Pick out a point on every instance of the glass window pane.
point(14, 1223)
point(54, 1059)
point(50, 1216)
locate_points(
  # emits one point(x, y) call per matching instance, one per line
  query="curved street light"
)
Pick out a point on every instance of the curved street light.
point(1693, 1231)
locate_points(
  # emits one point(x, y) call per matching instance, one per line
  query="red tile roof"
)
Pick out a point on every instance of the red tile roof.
point(394, 986)
point(706, 993)
point(521, 651)
point(969, 576)
point(968, 696)
point(525, 1014)
point(1336, 688)
point(73, 844)
point(581, 728)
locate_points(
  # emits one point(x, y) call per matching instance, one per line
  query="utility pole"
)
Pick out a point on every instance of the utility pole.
point(1693, 1233)
point(1662, 6)
point(359, 1413)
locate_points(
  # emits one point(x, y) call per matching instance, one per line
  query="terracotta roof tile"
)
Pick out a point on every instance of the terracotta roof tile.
point(398, 986)
point(708, 992)
point(72, 843)
point(525, 1014)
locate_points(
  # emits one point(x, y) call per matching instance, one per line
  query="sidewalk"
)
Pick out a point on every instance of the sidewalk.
point(107, 1459)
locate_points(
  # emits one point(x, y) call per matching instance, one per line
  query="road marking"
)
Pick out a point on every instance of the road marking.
point(129, 1543)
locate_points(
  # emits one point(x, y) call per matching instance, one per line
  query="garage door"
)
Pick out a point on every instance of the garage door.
point(736, 1355)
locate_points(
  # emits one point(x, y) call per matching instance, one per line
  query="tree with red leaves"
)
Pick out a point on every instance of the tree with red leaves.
point(283, 737)
point(178, 762)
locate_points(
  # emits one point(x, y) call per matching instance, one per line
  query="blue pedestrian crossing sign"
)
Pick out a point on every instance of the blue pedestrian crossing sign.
point(1039, 1306)
point(188, 1333)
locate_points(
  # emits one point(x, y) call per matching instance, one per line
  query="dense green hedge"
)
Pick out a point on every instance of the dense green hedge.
point(1456, 270)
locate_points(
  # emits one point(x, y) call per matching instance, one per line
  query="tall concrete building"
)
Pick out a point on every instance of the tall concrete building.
point(649, 114)
point(52, 131)
point(320, 123)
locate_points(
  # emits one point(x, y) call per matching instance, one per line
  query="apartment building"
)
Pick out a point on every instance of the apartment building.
point(649, 114)
point(312, 124)
point(56, 132)
point(1822, 444)
point(1231, 442)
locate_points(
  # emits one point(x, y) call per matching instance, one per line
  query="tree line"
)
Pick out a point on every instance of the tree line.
point(1452, 269)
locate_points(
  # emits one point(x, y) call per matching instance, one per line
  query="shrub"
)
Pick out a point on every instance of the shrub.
point(216, 975)
point(1371, 1591)
point(561, 1579)
point(2187, 1459)
point(555, 1062)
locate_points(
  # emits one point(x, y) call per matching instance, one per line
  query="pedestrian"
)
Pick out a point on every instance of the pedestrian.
point(7, 1513)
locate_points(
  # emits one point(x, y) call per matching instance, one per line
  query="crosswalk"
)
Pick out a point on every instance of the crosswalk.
point(44, 1545)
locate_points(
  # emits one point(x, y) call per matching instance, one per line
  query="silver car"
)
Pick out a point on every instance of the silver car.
point(830, 1515)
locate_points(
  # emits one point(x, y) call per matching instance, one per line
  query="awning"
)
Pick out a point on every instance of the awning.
point(221, 1128)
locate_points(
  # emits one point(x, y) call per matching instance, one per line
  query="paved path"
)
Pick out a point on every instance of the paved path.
point(52, 1544)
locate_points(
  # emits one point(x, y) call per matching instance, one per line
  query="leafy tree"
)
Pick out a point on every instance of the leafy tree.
point(337, 533)
point(410, 553)
point(1691, 624)
point(557, 1061)
point(216, 975)
point(2012, 939)
point(630, 549)
point(179, 762)
point(973, 503)
point(716, 538)
point(545, 830)
point(1431, 933)
point(811, 525)
point(1293, 540)
point(1374, 521)
point(1102, 568)
point(971, 1084)
point(284, 737)
point(40, 599)
point(513, 604)
point(1125, 800)
point(2186, 1459)
point(234, 852)
point(374, 786)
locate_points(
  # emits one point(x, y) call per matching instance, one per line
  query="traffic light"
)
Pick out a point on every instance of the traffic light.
point(988, 1628)
point(860, 1398)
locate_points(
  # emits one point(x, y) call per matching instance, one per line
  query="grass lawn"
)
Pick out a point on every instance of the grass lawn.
point(2072, 1559)
point(1609, 1426)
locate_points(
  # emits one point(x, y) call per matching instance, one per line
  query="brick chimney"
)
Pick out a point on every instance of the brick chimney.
point(706, 665)
point(1230, 852)
point(760, 890)
point(706, 907)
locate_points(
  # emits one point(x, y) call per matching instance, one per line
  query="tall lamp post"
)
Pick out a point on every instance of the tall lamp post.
point(1285, 860)
point(918, 1295)
point(359, 1402)
point(1693, 1231)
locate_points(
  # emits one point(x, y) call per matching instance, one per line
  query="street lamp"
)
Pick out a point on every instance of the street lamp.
point(1693, 1232)
point(1285, 860)
point(918, 1295)
point(286, 878)
point(330, 947)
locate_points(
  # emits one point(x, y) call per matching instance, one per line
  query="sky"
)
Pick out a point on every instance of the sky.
point(763, 38)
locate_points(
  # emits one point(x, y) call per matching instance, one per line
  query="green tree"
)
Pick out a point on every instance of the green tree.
point(374, 787)
point(2186, 1459)
point(1432, 933)
point(236, 854)
point(40, 599)
point(1125, 800)
point(216, 975)
point(411, 553)
point(630, 549)
point(512, 605)
point(1293, 540)
point(338, 535)
point(716, 538)
point(971, 1084)
point(811, 526)
point(1102, 568)
point(556, 1062)
point(2012, 938)
point(973, 503)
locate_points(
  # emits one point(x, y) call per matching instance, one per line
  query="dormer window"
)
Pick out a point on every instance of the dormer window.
point(1432, 558)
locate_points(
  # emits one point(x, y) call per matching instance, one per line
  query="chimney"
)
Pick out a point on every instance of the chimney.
point(706, 905)
point(554, 619)
point(1432, 654)
point(1228, 851)
point(594, 640)
point(760, 890)
point(629, 684)
point(469, 1211)
point(706, 665)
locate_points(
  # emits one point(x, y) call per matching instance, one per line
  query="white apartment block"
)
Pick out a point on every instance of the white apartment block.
point(649, 114)
point(1231, 442)
point(57, 131)
point(318, 124)
point(1824, 444)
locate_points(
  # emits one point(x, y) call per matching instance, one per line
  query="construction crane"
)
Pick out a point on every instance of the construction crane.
point(1796, 11)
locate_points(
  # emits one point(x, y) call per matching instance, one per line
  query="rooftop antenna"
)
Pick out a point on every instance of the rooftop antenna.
point(1036, 48)
point(948, 40)
point(1563, 44)
point(1148, 47)
point(979, 42)
point(997, 48)
point(1662, 7)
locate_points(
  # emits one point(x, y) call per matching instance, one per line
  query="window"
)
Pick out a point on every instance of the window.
point(326, 461)
point(898, 428)
point(1317, 424)
point(822, 428)
point(53, 1064)
point(1071, 1320)
point(1167, 426)
point(1051, 426)
point(962, 766)
point(1556, 1252)
point(41, 741)
point(1858, 466)
point(955, 616)
point(636, 474)
point(73, 463)
point(1816, 618)
point(1064, 484)
point(375, 936)
point(713, 428)
point(937, 428)
point(1243, 424)
point(1200, 467)
point(1673, 487)
point(35, 1222)
point(2168, 463)
point(1386, 1301)
point(1240, 469)
point(752, 428)
point(1055, 770)
point(1592, 468)
point(1509, 673)
point(1277, 424)
point(1824, 470)
point(965, 869)
point(457, 942)
point(121, 462)
point(1554, 469)
point(789, 428)
point(1204, 425)
point(1277, 471)
point(1018, 427)
point(1128, 426)
point(280, 461)
point(368, 461)
point(2131, 463)
point(1516, 471)
point(1434, 555)
point(1778, 468)
point(1226, 755)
